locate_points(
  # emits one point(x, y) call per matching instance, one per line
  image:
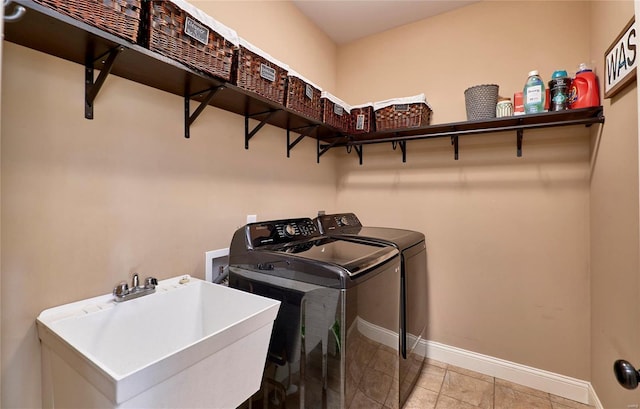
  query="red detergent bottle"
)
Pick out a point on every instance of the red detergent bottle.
point(584, 89)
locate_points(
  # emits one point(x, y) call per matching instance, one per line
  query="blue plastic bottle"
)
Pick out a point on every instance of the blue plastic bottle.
point(533, 94)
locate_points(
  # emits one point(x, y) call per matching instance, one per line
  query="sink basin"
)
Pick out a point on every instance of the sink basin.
point(192, 343)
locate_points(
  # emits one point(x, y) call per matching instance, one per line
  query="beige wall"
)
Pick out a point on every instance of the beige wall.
point(1, 43)
point(477, 44)
point(86, 203)
point(615, 318)
point(507, 237)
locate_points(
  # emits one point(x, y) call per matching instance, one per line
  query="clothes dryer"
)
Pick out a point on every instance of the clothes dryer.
point(413, 284)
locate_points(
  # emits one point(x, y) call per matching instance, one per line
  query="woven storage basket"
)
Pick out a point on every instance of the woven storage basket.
point(336, 113)
point(362, 119)
point(173, 32)
point(480, 102)
point(303, 97)
point(257, 73)
point(401, 113)
point(118, 17)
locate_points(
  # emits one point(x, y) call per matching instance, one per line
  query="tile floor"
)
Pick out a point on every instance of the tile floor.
point(442, 386)
point(372, 383)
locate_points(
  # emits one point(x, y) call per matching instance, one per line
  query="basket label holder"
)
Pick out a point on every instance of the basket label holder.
point(190, 118)
point(308, 91)
point(268, 73)
point(197, 31)
point(91, 87)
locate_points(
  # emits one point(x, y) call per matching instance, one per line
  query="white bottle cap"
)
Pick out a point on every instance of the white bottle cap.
point(534, 72)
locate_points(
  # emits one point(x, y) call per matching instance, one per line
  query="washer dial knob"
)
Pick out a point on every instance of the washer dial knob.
point(290, 230)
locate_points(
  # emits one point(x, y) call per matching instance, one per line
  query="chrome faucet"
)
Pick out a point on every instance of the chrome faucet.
point(122, 291)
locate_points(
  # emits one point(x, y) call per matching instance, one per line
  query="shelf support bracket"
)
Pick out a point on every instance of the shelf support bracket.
point(250, 134)
point(322, 149)
point(92, 88)
point(190, 118)
point(304, 132)
point(519, 134)
point(403, 148)
point(359, 150)
point(454, 142)
point(358, 147)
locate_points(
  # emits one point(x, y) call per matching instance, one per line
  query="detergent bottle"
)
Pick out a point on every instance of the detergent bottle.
point(559, 85)
point(584, 89)
point(533, 94)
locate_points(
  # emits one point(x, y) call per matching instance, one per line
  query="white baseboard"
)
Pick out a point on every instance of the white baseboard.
point(560, 385)
point(593, 398)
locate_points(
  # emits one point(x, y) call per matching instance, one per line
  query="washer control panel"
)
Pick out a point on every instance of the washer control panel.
point(336, 223)
point(281, 231)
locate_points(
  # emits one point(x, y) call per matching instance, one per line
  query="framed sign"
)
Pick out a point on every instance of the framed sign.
point(620, 60)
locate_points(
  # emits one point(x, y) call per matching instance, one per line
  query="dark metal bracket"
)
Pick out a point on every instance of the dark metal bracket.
point(190, 118)
point(350, 147)
point(250, 134)
point(304, 132)
point(359, 149)
point(519, 134)
point(92, 88)
point(454, 142)
point(322, 149)
point(403, 148)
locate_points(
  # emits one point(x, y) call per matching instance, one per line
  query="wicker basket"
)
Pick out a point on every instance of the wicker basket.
point(259, 74)
point(480, 102)
point(303, 97)
point(118, 17)
point(362, 119)
point(177, 34)
point(336, 113)
point(402, 113)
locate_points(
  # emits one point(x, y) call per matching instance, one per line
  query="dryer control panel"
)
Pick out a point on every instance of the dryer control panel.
point(338, 223)
point(281, 232)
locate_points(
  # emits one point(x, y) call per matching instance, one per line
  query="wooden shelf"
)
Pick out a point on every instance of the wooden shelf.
point(572, 117)
point(48, 31)
point(585, 116)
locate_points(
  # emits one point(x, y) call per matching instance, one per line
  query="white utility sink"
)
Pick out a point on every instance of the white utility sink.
point(190, 344)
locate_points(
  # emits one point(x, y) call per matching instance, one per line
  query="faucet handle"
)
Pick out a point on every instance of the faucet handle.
point(150, 282)
point(121, 289)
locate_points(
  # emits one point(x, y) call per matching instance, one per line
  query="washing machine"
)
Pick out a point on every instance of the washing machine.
point(337, 330)
point(413, 284)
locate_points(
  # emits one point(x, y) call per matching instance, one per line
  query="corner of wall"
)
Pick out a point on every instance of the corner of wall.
point(614, 226)
point(1, 316)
